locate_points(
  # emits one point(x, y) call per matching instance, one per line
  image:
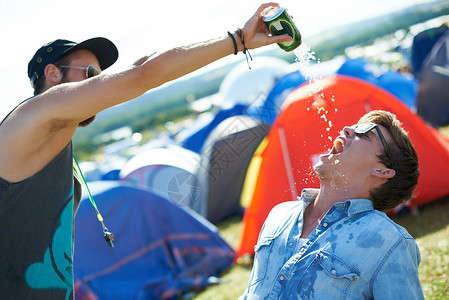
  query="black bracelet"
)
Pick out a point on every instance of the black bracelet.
point(235, 43)
point(245, 50)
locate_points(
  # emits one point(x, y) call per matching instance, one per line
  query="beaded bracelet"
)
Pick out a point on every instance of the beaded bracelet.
point(235, 43)
point(245, 50)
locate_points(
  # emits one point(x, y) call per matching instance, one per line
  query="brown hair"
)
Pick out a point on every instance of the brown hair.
point(402, 158)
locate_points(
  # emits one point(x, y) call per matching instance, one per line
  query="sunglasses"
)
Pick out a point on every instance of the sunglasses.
point(366, 127)
point(91, 71)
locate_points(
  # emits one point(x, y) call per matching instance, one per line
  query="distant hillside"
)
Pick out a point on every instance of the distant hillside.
point(330, 42)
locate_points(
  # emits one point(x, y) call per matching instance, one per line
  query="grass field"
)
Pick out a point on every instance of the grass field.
point(429, 226)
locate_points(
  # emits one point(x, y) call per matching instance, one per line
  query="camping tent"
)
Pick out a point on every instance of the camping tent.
point(240, 88)
point(193, 138)
point(433, 100)
point(224, 159)
point(105, 170)
point(422, 44)
point(245, 86)
point(306, 127)
point(433, 96)
point(168, 171)
point(402, 87)
point(267, 108)
point(161, 251)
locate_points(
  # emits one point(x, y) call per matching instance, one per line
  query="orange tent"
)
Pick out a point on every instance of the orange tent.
point(310, 119)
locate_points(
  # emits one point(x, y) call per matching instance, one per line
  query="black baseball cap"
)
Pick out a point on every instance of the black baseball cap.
point(105, 51)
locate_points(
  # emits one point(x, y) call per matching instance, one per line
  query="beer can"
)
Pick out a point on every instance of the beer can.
point(279, 22)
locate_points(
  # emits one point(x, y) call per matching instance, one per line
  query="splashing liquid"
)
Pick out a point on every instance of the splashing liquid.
point(304, 58)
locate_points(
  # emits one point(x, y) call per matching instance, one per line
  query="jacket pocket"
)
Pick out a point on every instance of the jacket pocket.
point(327, 277)
point(262, 256)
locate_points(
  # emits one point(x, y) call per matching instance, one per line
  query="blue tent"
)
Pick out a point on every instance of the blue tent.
point(194, 138)
point(405, 89)
point(433, 101)
point(111, 175)
point(266, 109)
point(422, 45)
point(161, 250)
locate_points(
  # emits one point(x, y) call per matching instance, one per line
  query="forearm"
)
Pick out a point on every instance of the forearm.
point(180, 61)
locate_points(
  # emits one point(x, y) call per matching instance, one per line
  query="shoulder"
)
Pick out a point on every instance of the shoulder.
point(390, 225)
point(404, 241)
point(29, 141)
point(372, 228)
point(361, 211)
point(394, 241)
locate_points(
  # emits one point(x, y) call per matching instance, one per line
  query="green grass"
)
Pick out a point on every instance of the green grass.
point(429, 226)
point(235, 280)
point(445, 131)
point(431, 231)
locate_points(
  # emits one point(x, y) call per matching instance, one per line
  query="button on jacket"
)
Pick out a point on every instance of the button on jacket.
point(356, 252)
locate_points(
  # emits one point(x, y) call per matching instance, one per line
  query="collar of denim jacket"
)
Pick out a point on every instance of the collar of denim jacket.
point(352, 206)
point(308, 195)
point(356, 206)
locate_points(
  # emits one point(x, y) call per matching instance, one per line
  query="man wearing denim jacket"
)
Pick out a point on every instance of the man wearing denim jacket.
point(335, 242)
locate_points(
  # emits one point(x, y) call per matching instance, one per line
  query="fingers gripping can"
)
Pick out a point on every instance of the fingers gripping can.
point(279, 22)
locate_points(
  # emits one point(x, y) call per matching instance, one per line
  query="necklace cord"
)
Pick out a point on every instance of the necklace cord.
point(109, 237)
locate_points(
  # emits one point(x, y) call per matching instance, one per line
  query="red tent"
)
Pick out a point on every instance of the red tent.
point(310, 119)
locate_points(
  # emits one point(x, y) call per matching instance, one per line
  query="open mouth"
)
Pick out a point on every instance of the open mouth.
point(338, 146)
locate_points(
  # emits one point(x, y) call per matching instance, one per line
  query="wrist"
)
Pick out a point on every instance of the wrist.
point(241, 36)
point(238, 41)
point(238, 33)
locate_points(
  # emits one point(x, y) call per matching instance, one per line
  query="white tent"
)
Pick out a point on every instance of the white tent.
point(244, 86)
point(167, 171)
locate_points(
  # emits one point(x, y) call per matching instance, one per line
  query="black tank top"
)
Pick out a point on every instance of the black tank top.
point(36, 232)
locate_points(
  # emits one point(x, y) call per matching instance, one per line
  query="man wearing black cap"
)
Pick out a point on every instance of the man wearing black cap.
point(38, 196)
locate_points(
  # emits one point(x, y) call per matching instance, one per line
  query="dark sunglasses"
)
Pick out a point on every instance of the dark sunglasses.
point(91, 71)
point(366, 127)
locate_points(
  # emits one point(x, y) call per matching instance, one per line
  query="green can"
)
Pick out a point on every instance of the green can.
point(279, 22)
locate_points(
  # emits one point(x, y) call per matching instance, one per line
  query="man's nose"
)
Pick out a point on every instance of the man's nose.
point(348, 131)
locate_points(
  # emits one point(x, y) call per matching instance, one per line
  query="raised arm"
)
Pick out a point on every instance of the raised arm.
point(41, 127)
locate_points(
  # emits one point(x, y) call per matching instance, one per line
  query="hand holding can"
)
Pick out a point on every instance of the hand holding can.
point(279, 22)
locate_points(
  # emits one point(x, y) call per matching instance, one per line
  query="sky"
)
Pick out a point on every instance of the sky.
point(139, 27)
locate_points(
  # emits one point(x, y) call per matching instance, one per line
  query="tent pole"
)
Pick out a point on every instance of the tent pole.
point(287, 163)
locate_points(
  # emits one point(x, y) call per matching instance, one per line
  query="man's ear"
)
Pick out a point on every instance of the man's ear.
point(53, 74)
point(383, 172)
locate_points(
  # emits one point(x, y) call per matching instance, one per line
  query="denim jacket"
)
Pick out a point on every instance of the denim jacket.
point(356, 252)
